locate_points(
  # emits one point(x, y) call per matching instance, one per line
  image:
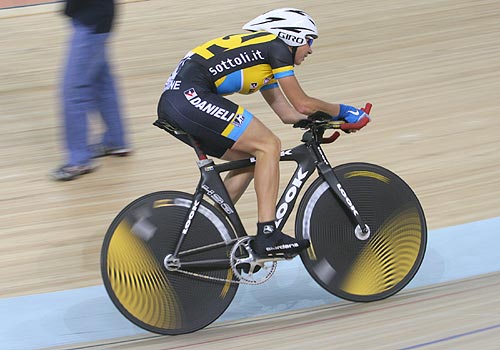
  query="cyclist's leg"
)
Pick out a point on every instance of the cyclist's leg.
point(260, 142)
point(237, 181)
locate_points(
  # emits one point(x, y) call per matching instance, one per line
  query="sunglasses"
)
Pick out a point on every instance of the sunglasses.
point(310, 41)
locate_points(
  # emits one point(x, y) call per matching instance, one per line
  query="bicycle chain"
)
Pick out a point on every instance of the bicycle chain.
point(225, 280)
point(233, 268)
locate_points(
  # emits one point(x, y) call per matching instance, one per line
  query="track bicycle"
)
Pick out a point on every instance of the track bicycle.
point(172, 262)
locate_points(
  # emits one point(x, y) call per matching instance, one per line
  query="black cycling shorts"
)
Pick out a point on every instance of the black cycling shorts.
point(191, 104)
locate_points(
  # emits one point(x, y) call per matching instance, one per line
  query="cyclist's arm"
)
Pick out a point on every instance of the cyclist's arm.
point(280, 105)
point(303, 103)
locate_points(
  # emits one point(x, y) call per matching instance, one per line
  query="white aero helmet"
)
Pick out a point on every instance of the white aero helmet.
point(291, 25)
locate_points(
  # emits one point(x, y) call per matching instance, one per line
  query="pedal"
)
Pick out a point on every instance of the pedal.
point(290, 256)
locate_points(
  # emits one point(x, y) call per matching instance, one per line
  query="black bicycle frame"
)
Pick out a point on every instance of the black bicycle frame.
point(308, 156)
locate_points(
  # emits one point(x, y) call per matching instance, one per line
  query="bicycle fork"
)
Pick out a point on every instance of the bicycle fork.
point(362, 230)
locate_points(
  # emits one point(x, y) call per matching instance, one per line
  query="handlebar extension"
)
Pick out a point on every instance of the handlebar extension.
point(324, 119)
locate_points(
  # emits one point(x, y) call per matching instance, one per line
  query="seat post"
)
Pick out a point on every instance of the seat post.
point(196, 145)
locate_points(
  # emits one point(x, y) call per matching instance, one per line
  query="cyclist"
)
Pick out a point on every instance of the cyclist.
point(263, 60)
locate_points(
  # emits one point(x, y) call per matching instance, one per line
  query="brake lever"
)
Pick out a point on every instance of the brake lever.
point(367, 108)
point(332, 137)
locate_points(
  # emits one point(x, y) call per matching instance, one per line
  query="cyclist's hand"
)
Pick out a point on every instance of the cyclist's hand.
point(355, 118)
point(350, 114)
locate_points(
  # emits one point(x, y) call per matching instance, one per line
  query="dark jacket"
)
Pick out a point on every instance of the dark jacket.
point(95, 13)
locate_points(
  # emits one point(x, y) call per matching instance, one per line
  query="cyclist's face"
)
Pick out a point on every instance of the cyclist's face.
point(302, 52)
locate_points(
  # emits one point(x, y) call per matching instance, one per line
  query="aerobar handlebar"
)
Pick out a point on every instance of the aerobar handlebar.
point(323, 120)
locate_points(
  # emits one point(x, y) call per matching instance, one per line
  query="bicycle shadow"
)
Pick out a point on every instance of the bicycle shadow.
point(290, 288)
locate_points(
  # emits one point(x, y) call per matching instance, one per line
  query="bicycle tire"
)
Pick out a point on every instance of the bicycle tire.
point(133, 271)
point(352, 268)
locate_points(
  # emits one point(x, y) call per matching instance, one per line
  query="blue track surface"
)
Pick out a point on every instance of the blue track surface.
point(87, 314)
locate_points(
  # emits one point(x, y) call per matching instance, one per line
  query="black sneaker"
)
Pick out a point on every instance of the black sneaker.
point(101, 150)
point(69, 172)
point(277, 243)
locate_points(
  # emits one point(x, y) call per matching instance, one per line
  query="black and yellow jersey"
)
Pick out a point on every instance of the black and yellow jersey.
point(194, 99)
point(244, 63)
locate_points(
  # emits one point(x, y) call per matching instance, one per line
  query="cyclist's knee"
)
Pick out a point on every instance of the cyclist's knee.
point(273, 144)
point(258, 139)
point(270, 146)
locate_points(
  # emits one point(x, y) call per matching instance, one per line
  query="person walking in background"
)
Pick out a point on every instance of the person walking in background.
point(88, 86)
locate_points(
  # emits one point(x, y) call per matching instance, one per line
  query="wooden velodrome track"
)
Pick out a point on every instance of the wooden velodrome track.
point(431, 68)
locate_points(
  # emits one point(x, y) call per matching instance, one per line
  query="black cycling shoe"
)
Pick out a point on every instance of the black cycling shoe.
point(277, 243)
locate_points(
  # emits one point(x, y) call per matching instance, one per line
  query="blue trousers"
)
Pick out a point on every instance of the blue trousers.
point(88, 86)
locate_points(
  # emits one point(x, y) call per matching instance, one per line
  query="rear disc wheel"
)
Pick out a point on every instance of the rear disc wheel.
point(133, 264)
